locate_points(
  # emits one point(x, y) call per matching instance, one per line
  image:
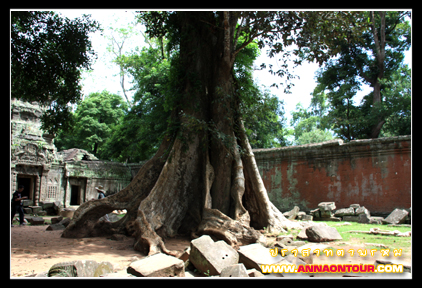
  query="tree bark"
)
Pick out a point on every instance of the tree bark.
point(209, 182)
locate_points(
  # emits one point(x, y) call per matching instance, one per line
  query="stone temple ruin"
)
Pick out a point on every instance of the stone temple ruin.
point(67, 176)
point(373, 172)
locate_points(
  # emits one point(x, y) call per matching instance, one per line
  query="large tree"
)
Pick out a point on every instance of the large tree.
point(362, 47)
point(48, 53)
point(203, 178)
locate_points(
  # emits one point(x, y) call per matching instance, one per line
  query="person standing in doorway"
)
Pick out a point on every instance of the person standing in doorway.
point(17, 205)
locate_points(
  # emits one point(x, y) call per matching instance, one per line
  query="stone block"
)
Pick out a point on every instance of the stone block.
point(27, 210)
point(67, 212)
point(55, 227)
point(351, 218)
point(55, 220)
point(322, 234)
point(363, 218)
point(292, 214)
point(354, 206)
point(80, 268)
point(36, 221)
point(307, 218)
point(235, 270)
point(362, 210)
point(398, 216)
point(35, 209)
point(211, 257)
point(157, 265)
point(326, 213)
point(345, 212)
point(253, 255)
point(27, 202)
point(327, 206)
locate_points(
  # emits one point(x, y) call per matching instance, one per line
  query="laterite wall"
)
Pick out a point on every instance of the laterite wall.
point(375, 173)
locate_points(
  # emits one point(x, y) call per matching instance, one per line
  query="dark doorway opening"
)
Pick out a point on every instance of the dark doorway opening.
point(28, 183)
point(74, 195)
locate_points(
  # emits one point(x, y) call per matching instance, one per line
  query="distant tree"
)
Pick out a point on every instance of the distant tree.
point(356, 47)
point(47, 55)
point(95, 119)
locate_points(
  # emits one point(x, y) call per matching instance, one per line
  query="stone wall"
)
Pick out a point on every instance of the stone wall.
point(375, 173)
point(68, 176)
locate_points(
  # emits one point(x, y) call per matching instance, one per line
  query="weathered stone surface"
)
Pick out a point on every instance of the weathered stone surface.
point(67, 212)
point(55, 220)
point(211, 257)
point(307, 218)
point(27, 202)
point(235, 270)
point(315, 213)
point(36, 209)
point(327, 206)
point(253, 255)
point(351, 218)
point(363, 218)
point(354, 206)
point(325, 213)
point(322, 234)
point(65, 222)
point(292, 214)
point(157, 265)
point(398, 216)
point(345, 212)
point(55, 227)
point(36, 220)
point(362, 210)
point(80, 268)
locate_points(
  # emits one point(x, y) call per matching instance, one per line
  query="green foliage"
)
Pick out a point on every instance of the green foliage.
point(95, 119)
point(398, 103)
point(309, 125)
point(47, 55)
point(361, 51)
point(138, 135)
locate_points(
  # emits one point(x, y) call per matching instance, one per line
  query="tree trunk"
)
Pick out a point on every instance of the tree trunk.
point(379, 39)
point(206, 181)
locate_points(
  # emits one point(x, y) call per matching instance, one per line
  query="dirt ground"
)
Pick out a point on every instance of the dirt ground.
point(34, 250)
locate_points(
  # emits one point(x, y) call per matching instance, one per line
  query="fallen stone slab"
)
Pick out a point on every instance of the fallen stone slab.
point(211, 257)
point(292, 214)
point(55, 227)
point(253, 255)
point(322, 234)
point(345, 212)
point(235, 270)
point(327, 206)
point(36, 220)
point(362, 210)
point(398, 216)
point(157, 265)
point(80, 268)
point(55, 220)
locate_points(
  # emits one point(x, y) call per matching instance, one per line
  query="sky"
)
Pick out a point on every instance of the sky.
point(104, 73)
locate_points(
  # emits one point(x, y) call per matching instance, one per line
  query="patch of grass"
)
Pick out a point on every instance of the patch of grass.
point(392, 242)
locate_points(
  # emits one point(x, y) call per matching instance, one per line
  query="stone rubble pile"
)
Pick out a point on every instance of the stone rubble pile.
point(327, 211)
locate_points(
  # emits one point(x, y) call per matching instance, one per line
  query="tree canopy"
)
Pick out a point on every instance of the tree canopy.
point(355, 48)
point(47, 55)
